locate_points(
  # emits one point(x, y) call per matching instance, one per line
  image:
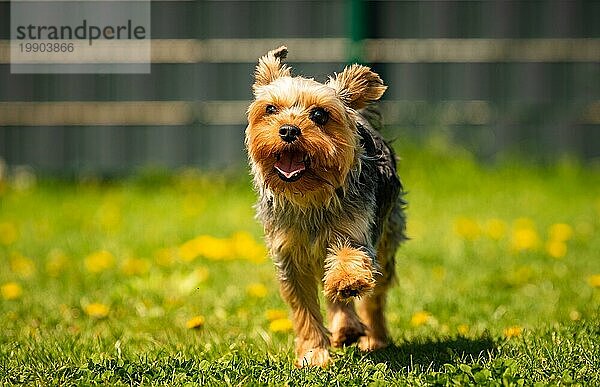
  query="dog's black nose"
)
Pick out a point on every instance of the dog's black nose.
point(289, 133)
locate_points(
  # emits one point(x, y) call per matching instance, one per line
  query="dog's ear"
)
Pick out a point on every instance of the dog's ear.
point(270, 67)
point(357, 86)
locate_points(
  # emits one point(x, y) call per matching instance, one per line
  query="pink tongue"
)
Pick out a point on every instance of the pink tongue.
point(290, 163)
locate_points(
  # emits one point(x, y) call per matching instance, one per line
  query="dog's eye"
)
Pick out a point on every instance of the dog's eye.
point(270, 109)
point(319, 116)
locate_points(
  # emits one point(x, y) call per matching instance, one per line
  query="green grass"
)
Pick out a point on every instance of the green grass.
point(473, 305)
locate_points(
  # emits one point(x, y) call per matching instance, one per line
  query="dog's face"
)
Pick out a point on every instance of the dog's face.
point(301, 135)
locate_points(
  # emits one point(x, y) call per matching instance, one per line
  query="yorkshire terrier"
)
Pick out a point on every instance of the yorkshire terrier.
point(330, 201)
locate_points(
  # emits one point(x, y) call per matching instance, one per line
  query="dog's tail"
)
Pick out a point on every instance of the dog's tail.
point(372, 113)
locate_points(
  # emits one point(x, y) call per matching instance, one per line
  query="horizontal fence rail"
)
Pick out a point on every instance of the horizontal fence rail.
point(375, 50)
point(174, 113)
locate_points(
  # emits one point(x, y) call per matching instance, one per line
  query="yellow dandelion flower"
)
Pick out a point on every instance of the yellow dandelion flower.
point(556, 249)
point(495, 229)
point(275, 314)
point(21, 265)
point(190, 250)
point(56, 262)
point(463, 329)
point(513, 331)
point(135, 266)
point(216, 248)
point(195, 322)
point(574, 315)
point(11, 291)
point(206, 246)
point(560, 232)
point(594, 280)
point(8, 233)
point(257, 290)
point(525, 236)
point(96, 310)
point(281, 325)
point(467, 228)
point(420, 318)
point(99, 261)
point(244, 246)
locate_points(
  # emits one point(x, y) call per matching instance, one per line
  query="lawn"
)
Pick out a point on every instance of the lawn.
point(162, 278)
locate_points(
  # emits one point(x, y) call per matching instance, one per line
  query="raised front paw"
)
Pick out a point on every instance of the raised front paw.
point(348, 273)
point(346, 287)
point(315, 357)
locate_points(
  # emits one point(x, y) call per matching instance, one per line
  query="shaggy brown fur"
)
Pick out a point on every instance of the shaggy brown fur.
point(329, 199)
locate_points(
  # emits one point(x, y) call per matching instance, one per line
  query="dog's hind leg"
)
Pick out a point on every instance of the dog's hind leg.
point(371, 308)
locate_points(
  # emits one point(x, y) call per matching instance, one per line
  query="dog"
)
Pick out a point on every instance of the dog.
point(330, 201)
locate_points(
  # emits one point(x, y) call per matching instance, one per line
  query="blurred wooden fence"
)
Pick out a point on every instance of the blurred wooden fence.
point(493, 75)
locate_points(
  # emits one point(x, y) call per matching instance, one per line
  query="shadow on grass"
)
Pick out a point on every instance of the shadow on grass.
point(432, 354)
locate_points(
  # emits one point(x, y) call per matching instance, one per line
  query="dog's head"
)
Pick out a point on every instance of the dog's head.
point(301, 137)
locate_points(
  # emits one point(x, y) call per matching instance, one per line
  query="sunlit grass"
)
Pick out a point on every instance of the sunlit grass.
point(164, 278)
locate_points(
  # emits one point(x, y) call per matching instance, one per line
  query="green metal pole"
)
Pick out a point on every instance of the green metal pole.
point(357, 25)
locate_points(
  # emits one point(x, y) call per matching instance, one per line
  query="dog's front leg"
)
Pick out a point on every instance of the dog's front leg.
point(299, 288)
point(349, 271)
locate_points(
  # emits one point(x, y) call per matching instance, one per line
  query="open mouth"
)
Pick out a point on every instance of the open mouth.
point(291, 165)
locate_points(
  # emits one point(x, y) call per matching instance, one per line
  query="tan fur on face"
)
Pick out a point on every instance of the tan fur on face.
point(331, 148)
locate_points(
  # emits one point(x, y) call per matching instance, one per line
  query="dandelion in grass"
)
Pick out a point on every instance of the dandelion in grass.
point(22, 265)
point(594, 280)
point(9, 233)
point(96, 310)
point(246, 247)
point(99, 261)
point(463, 329)
point(195, 322)
point(11, 291)
point(556, 249)
point(206, 246)
point(525, 236)
point(420, 318)
point(257, 290)
point(467, 228)
point(275, 314)
point(574, 315)
point(559, 234)
point(281, 325)
point(495, 229)
point(215, 248)
point(135, 266)
point(514, 331)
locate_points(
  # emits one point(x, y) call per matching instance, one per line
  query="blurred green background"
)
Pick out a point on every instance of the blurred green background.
point(496, 76)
